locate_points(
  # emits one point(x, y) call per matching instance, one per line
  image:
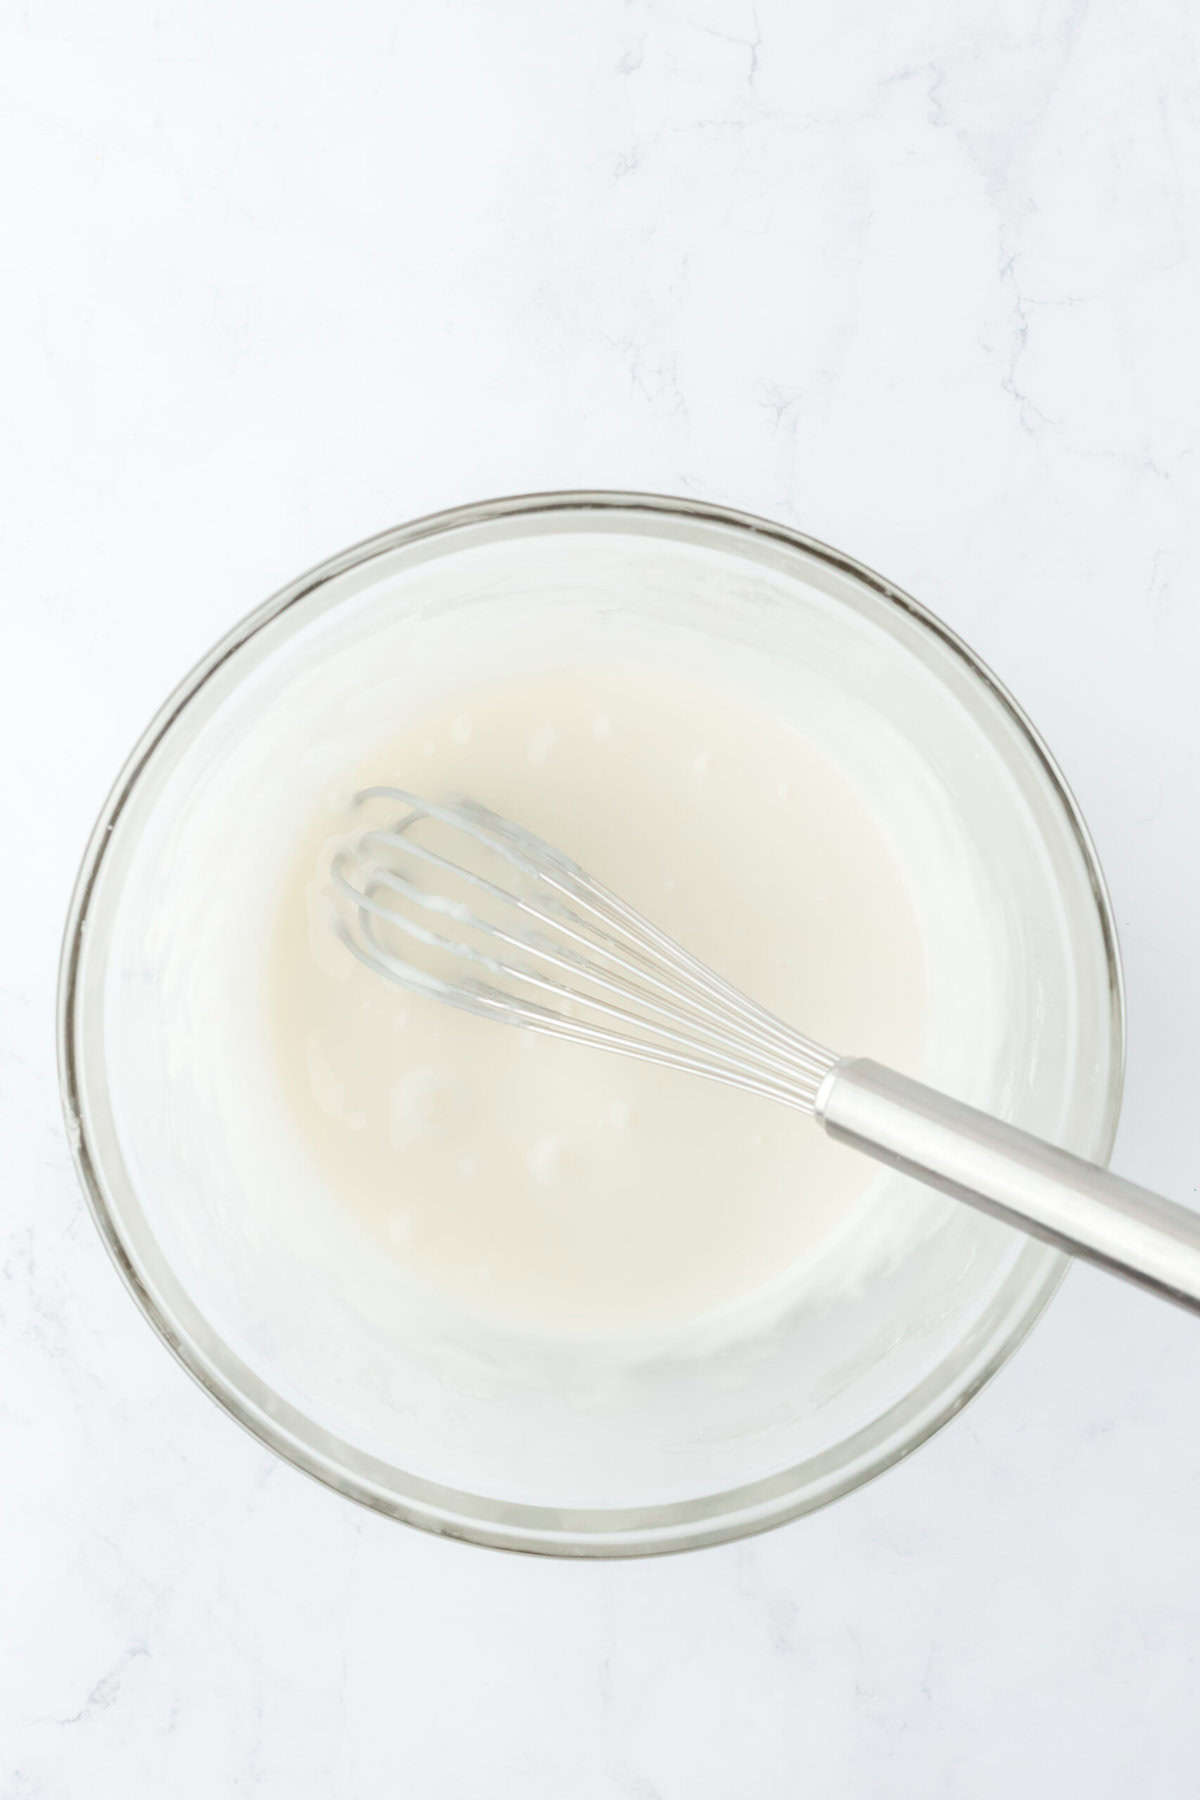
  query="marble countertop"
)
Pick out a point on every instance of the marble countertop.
point(922, 280)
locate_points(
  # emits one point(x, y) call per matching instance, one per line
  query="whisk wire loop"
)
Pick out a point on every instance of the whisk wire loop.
point(642, 994)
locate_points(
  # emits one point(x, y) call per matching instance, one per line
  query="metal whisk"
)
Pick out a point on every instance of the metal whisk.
point(458, 903)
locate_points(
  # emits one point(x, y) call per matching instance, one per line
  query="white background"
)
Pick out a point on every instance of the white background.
point(922, 278)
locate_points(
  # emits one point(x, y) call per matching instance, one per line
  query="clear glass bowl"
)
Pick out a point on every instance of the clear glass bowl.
point(538, 1449)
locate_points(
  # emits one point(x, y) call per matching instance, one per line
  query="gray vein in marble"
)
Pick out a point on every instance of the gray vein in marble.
point(107, 1690)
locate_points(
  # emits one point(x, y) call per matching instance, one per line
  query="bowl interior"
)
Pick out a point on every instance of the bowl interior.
point(513, 1440)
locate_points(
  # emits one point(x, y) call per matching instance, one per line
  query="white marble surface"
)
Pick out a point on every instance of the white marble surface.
point(923, 279)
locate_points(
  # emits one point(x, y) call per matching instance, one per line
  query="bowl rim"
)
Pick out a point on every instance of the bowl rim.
point(725, 1514)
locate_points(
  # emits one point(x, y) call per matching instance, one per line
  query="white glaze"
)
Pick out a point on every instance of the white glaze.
point(556, 1187)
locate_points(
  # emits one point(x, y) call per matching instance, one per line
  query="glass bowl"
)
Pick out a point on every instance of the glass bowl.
point(514, 1443)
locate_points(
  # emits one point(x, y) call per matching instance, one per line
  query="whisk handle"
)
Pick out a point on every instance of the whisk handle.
point(1073, 1204)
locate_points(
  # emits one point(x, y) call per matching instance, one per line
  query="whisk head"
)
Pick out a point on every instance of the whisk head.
point(453, 901)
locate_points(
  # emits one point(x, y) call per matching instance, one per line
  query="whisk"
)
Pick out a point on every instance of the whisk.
point(453, 901)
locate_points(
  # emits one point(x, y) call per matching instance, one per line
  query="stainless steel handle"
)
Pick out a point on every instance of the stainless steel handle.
point(1071, 1203)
